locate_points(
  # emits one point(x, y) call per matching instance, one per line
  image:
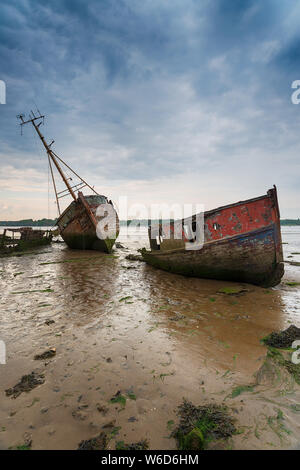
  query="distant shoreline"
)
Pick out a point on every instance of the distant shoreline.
point(142, 222)
point(290, 222)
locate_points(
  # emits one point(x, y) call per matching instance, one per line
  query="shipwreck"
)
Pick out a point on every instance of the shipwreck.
point(90, 222)
point(241, 242)
point(23, 238)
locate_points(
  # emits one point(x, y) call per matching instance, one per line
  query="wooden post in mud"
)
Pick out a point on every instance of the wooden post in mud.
point(3, 237)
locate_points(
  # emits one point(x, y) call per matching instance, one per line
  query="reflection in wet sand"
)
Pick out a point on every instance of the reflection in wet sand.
point(122, 326)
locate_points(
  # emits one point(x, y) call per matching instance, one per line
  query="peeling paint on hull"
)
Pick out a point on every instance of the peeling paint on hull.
point(78, 228)
point(253, 256)
point(232, 260)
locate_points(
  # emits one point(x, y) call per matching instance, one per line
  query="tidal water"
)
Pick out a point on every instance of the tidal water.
point(123, 327)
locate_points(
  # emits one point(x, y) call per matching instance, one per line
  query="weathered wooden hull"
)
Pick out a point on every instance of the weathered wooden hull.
point(28, 239)
point(79, 225)
point(253, 254)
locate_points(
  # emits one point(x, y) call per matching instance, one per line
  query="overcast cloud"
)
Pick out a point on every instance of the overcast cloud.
point(159, 100)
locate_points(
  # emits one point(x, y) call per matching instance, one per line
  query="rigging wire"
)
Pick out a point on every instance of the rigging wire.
point(74, 172)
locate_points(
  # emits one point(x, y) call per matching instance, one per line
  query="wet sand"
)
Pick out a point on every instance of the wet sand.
point(123, 326)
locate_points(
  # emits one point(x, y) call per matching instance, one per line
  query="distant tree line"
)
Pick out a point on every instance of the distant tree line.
point(290, 222)
point(28, 223)
point(134, 222)
point(52, 222)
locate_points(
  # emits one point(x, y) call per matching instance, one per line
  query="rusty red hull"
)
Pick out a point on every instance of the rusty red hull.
point(242, 242)
point(80, 224)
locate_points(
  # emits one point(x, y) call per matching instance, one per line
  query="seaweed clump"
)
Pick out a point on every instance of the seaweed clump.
point(141, 445)
point(27, 383)
point(45, 355)
point(133, 257)
point(278, 358)
point(96, 443)
point(294, 370)
point(200, 425)
point(283, 339)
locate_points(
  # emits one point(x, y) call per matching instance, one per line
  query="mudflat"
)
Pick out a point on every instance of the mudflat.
point(132, 342)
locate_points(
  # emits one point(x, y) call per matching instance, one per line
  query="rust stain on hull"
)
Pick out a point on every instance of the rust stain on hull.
point(242, 242)
point(78, 224)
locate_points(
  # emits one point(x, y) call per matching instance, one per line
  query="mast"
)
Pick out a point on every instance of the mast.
point(47, 147)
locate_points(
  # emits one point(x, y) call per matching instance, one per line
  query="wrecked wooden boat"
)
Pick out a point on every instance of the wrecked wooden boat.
point(90, 222)
point(23, 238)
point(240, 242)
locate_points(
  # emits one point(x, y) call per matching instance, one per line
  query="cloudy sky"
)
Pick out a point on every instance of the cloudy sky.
point(172, 101)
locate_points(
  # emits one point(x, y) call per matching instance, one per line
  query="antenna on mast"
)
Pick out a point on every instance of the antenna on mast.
point(40, 118)
point(36, 120)
point(32, 119)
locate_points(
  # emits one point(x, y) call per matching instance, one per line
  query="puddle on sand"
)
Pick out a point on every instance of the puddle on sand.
point(123, 326)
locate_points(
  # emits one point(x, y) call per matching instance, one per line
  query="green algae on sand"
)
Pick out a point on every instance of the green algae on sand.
point(31, 291)
point(118, 398)
point(278, 365)
point(200, 425)
point(241, 389)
